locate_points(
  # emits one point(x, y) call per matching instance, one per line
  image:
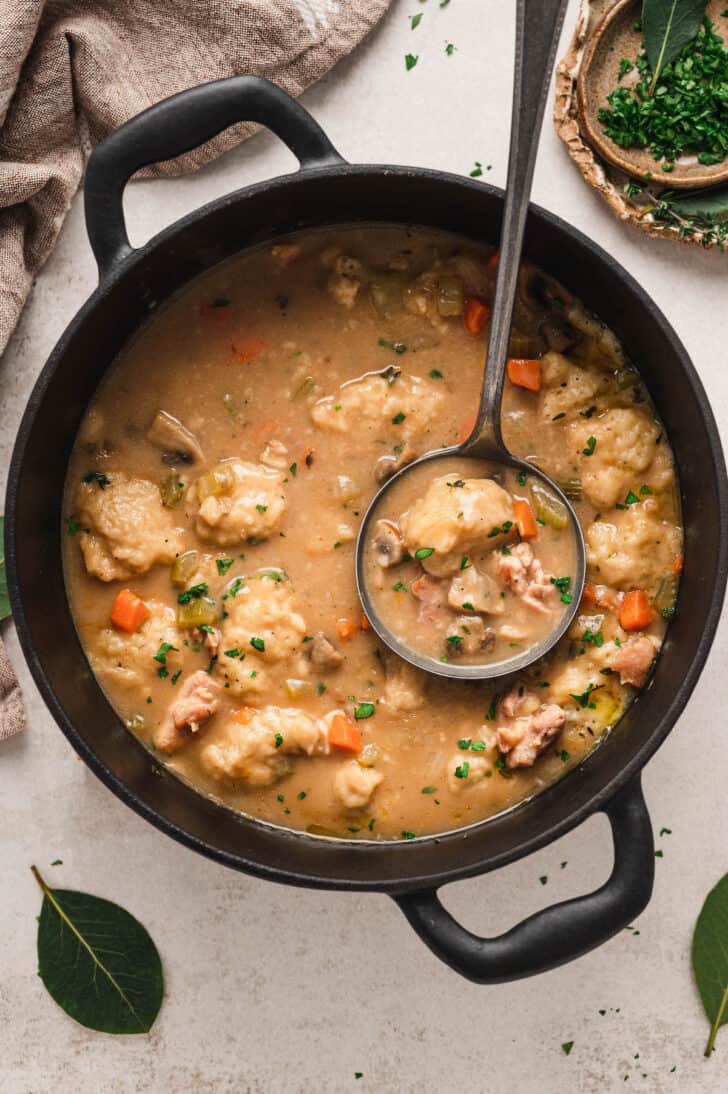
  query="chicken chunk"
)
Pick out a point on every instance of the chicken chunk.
point(528, 729)
point(404, 687)
point(124, 528)
point(474, 591)
point(194, 704)
point(275, 455)
point(239, 501)
point(455, 517)
point(633, 659)
point(368, 405)
point(633, 548)
point(262, 626)
point(388, 544)
point(432, 595)
point(346, 278)
point(624, 447)
point(254, 746)
point(128, 660)
point(323, 655)
point(525, 575)
point(354, 785)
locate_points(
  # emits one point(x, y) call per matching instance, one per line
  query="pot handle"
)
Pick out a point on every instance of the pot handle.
point(177, 125)
point(563, 931)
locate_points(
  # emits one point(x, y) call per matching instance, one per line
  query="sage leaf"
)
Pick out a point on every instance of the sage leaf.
point(710, 958)
point(4, 598)
point(667, 27)
point(707, 203)
point(97, 961)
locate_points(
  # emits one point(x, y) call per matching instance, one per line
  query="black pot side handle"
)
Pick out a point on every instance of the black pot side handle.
point(563, 931)
point(177, 125)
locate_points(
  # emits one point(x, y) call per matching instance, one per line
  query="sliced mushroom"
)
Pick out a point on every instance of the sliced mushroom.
point(475, 592)
point(323, 654)
point(387, 466)
point(178, 444)
point(388, 544)
point(468, 634)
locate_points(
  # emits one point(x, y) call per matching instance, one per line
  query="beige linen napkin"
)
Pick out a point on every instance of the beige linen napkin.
point(73, 70)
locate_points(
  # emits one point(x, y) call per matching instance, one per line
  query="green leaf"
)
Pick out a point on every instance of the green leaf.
point(4, 598)
point(710, 958)
point(667, 27)
point(98, 962)
point(707, 203)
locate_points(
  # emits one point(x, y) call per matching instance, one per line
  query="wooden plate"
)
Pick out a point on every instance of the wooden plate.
point(613, 39)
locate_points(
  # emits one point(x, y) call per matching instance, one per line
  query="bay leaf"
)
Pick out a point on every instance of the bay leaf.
point(667, 27)
point(710, 958)
point(98, 962)
point(4, 598)
point(706, 203)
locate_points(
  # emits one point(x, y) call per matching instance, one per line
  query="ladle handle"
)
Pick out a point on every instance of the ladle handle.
point(538, 25)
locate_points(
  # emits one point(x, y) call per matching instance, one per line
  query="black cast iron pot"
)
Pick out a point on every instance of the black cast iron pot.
point(329, 191)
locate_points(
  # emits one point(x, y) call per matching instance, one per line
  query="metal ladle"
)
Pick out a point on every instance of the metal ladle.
point(538, 24)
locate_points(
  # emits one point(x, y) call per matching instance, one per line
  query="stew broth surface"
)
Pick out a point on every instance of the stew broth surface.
point(234, 447)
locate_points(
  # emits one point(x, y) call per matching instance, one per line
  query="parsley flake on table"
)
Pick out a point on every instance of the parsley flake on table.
point(410, 60)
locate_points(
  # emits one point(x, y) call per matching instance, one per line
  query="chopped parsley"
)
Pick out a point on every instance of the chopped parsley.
point(279, 740)
point(363, 710)
point(501, 530)
point(261, 508)
point(410, 60)
point(223, 565)
point(450, 49)
point(164, 649)
point(563, 755)
point(257, 644)
point(175, 676)
point(193, 593)
point(563, 584)
point(400, 587)
point(408, 835)
point(293, 469)
point(429, 790)
point(457, 483)
point(467, 606)
point(415, 20)
point(234, 653)
point(73, 526)
point(583, 699)
point(492, 709)
point(398, 418)
point(454, 639)
point(464, 562)
point(398, 347)
point(591, 444)
point(101, 480)
point(301, 795)
point(464, 743)
point(435, 374)
point(424, 552)
point(321, 687)
point(477, 170)
point(567, 1047)
point(594, 638)
point(521, 478)
point(462, 770)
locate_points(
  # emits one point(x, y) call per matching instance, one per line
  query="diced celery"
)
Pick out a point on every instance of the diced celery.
point(548, 507)
point(369, 755)
point(298, 689)
point(183, 568)
point(571, 488)
point(386, 295)
point(172, 490)
point(216, 482)
point(196, 613)
point(304, 388)
point(450, 296)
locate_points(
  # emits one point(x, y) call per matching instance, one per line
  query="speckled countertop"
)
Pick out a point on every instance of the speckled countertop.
point(277, 990)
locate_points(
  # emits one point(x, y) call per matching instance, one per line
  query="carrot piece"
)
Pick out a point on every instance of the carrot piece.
point(344, 734)
point(243, 715)
point(346, 629)
point(677, 565)
point(525, 520)
point(525, 372)
point(476, 315)
point(492, 263)
point(589, 595)
point(128, 611)
point(247, 350)
point(467, 427)
point(364, 622)
point(636, 613)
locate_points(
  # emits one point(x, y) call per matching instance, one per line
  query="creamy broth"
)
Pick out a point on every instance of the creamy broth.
point(219, 479)
point(459, 566)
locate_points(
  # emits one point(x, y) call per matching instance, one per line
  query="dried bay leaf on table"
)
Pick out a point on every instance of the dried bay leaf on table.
point(710, 958)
